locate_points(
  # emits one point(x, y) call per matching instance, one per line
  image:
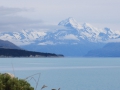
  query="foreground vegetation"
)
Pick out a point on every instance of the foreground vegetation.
point(9, 82)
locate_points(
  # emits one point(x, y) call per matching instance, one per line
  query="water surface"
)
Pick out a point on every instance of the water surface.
point(67, 73)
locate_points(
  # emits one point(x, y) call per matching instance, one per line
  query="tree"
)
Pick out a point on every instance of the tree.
point(9, 82)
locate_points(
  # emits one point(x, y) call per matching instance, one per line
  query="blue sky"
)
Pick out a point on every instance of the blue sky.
point(37, 13)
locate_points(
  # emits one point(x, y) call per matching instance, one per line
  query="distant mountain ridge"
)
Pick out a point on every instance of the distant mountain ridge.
point(109, 50)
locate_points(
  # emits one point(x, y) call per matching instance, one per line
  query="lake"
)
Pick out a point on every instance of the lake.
point(66, 73)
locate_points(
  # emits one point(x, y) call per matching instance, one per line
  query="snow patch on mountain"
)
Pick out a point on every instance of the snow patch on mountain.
point(23, 37)
point(71, 23)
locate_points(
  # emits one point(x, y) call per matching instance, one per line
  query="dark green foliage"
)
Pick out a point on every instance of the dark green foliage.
point(11, 83)
point(24, 53)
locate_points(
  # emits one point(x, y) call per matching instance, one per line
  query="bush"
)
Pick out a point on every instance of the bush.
point(9, 82)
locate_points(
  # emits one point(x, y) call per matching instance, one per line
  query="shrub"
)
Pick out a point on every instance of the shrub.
point(9, 82)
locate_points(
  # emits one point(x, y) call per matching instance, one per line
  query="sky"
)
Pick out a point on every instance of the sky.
point(44, 14)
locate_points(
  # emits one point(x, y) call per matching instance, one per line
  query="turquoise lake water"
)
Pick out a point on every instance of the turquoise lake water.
point(66, 73)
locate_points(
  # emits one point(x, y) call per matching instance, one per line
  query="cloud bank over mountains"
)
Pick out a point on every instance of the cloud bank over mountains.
point(4, 11)
point(100, 13)
point(11, 21)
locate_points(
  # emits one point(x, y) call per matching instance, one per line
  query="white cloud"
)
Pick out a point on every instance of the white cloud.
point(114, 40)
point(69, 37)
point(47, 43)
point(10, 21)
point(8, 11)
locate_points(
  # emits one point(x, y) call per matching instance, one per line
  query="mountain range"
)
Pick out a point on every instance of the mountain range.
point(73, 40)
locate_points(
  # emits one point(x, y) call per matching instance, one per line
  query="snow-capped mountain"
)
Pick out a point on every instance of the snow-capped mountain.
point(74, 33)
point(74, 39)
point(23, 37)
point(71, 23)
point(88, 32)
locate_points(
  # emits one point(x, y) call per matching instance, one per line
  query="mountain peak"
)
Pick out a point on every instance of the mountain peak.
point(69, 20)
point(87, 25)
point(70, 23)
point(72, 20)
